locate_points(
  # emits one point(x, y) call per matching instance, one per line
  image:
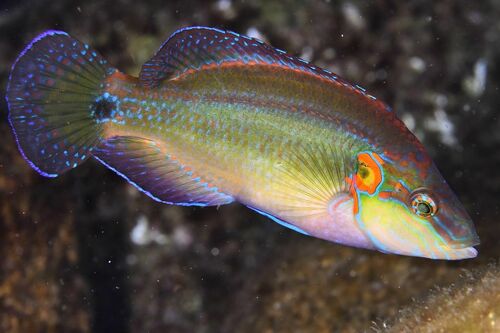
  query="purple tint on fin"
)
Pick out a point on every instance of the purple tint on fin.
point(142, 163)
point(193, 47)
point(51, 88)
point(23, 52)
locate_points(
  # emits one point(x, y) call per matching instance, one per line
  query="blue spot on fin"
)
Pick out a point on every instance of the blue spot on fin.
point(51, 87)
point(146, 166)
point(277, 220)
point(192, 47)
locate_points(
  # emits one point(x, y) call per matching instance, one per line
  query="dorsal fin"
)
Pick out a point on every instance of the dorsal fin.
point(149, 168)
point(194, 47)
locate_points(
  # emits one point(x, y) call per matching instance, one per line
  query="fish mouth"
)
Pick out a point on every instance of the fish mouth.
point(471, 240)
point(459, 254)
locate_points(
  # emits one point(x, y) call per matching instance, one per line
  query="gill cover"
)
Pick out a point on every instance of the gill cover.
point(401, 214)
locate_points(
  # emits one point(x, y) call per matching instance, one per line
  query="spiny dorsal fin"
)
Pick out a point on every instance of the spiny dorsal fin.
point(194, 47)
point(149, 168)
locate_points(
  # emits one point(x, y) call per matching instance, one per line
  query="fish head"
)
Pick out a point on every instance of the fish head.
point(405, 207)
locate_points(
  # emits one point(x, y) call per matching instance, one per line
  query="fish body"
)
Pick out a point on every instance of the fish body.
point(217, 117)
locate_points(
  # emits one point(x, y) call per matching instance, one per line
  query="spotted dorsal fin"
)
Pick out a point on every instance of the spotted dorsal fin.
point(194, 47)
point(146, 165)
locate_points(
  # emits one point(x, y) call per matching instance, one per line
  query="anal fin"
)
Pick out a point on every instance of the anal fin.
point(279, 221)
point(150, 169)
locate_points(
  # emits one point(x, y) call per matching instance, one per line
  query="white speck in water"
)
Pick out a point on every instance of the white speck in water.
point(441, 101)
point(142, 234)
point(353, 15)
point(139, 234)
point(328, 54)
point(254, 33)
point(475, 17)
point(475, 84)
point(223, 5)
point(442, 124)
point(307, 53)
point(215, 251)
point(409, 121)
point(417, 64)
point(226, 8)
point(182, 237)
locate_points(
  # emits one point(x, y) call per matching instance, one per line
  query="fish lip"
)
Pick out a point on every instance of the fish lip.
point(463, 253)
point(473, 251)
point(473, 241)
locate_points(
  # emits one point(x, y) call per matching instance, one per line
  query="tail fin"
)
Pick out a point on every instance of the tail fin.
point(53, 90)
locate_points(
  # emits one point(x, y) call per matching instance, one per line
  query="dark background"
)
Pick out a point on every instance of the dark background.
point(87, 252)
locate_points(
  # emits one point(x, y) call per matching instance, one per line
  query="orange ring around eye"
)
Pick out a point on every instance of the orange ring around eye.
point(369, 175)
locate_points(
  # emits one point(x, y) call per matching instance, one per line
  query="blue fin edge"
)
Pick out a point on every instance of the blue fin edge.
point(326, 72)
point(187, 29)
point(26, 49)
point(281, 222)
point(146, 192)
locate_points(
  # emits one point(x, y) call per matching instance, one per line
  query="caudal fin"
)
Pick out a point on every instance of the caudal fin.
point(53, 90)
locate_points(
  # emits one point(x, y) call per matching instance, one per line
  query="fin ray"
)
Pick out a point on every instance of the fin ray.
point(193, 47)
point(145, 165)
point(51, 88)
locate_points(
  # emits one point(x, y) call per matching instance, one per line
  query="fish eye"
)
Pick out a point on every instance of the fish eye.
point(423, 205)
point(363, 171)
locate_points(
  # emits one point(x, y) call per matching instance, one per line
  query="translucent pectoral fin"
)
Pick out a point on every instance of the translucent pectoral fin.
point(147, 166)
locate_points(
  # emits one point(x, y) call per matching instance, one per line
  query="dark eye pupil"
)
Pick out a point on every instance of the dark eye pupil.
point(424, 208)
point(363, 172)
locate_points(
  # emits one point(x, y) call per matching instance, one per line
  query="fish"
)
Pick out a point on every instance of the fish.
point(216, 117)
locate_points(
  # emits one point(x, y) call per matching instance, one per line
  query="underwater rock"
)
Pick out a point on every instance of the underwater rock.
point(41, 289)
point(473, 305)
